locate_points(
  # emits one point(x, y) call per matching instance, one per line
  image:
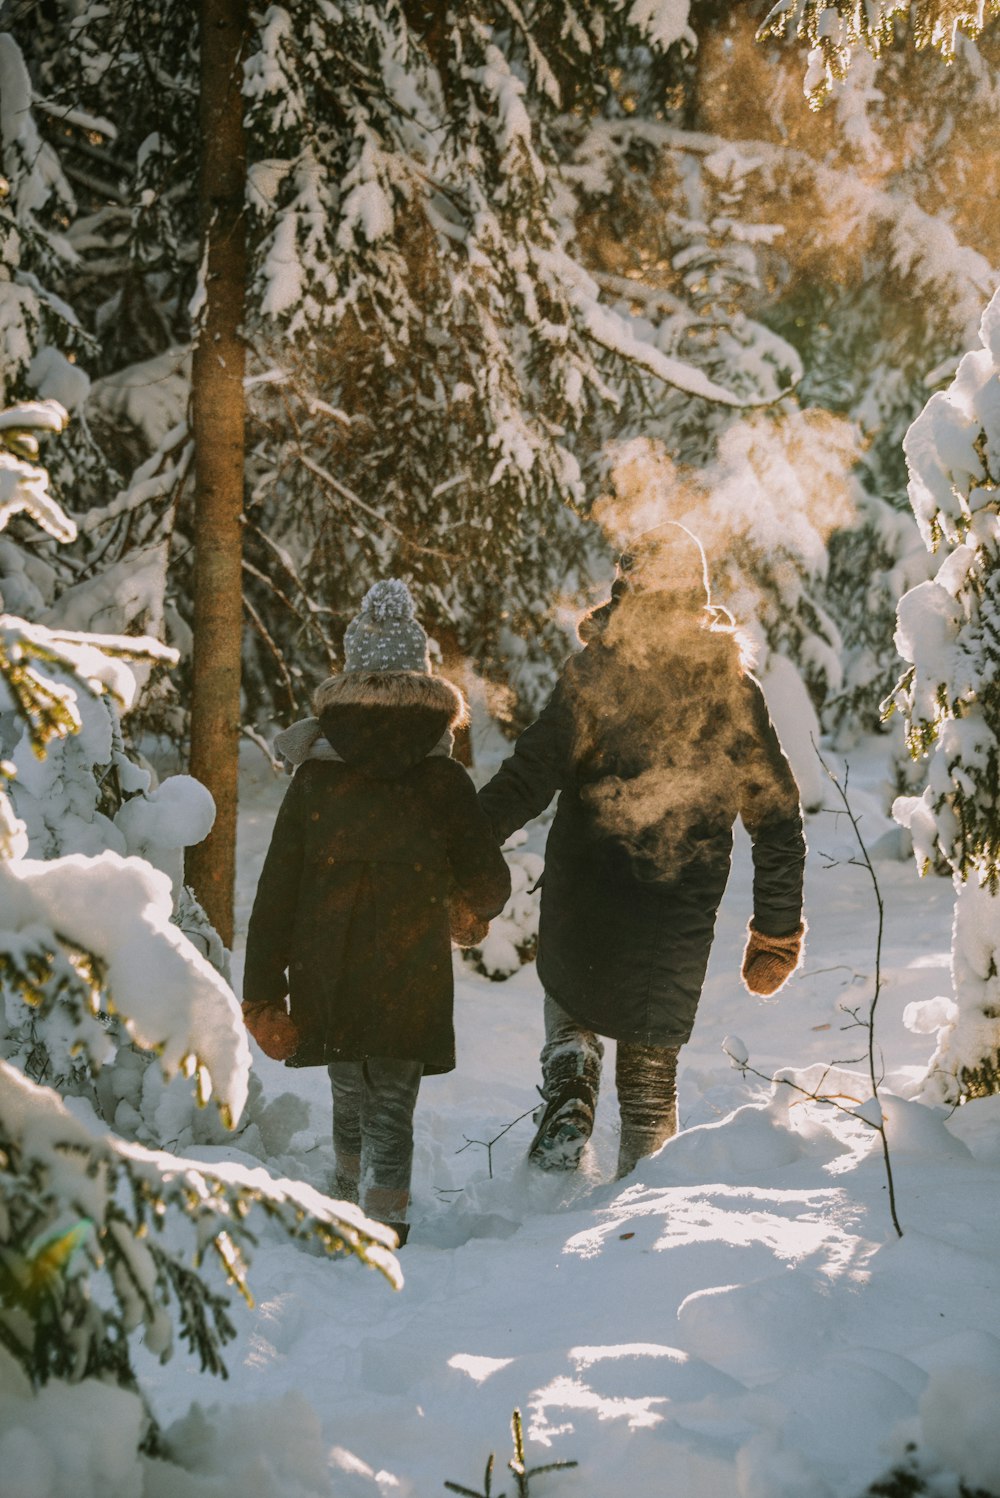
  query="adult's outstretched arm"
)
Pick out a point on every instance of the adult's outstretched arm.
point(538, 767)
point(479, 873)
point(772, 814)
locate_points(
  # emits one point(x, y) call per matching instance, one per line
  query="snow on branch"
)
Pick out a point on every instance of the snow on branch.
point(23, 483)
point(612, 332)
point(835, 31)
point(663, 22)
point(35, 663)
point(949, 631)
point(93, 1208)
point(159, 477)
point(80, 119)
point(545, 80)
point(923, 248)
point(948, 626)
point(168, 997)
point(47, 707)
point(41, 416)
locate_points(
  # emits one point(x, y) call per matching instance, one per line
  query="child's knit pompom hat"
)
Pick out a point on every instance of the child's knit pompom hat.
point(385, 635)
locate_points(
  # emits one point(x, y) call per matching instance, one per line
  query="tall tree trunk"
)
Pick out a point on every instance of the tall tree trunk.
point(218, 425)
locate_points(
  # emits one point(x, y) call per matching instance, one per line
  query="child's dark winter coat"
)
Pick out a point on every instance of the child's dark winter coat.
point(368, 849)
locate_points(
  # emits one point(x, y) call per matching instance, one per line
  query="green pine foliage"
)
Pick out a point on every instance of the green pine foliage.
point(835, 29)
point(425, 352)
point(949, 632)
point(517, 1465)
point(981, 1079)
point(949, 628)
point(784, 244)
point(99, 1238)
point(446, 208)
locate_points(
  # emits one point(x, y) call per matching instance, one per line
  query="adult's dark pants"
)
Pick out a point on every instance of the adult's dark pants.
point(645, 1079)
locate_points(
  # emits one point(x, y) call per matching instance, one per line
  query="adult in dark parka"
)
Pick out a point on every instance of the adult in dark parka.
point(656, 738)
point(379, 852)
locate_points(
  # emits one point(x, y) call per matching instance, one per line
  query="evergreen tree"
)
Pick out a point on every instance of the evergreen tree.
point(816, 245)
point(948, 631)
point(836, 30)
point(112, 576)
point(408, 276)
point(96, 1236)
point(76, 788)
point(728, 230)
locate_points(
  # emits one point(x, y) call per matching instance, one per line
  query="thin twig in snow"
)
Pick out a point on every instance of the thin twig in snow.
point(875, 1075)
point(487, 1144)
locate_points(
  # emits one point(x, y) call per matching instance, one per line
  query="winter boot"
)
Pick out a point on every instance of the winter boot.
point(565, 1123)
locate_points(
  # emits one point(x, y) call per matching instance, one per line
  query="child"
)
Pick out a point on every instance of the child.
point(379, 849)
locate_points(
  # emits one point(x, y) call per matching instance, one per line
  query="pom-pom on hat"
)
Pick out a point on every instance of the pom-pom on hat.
point(385, 635)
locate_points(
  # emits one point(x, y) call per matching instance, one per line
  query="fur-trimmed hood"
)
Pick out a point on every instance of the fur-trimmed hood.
point(641, 625)
point(392, 689)
point(385, 722)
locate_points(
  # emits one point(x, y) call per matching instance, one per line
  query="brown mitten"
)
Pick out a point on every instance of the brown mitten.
point(770, 960)
point(273, 1028)
point(467, 929)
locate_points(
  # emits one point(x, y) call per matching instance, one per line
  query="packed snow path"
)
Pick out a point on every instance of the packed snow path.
point(735, 1318)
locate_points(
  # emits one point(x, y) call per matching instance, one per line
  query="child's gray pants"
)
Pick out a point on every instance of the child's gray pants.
point(373, 1103)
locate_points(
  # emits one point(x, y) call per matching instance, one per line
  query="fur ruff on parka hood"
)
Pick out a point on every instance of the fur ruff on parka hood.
point(645, 623)
point(385, 722)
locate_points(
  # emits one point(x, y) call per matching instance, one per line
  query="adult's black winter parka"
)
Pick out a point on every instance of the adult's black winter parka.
point(351, 913)
point(656, 739)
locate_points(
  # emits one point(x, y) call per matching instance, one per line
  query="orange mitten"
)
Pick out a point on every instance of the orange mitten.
point(273, 1028)
point(770, 960)
point(467, 929)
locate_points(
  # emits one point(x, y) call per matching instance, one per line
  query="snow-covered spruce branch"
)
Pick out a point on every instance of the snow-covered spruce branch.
point(46, 700)
point(47, 705)
point(835, 30)
point(335, 486)
point(613, 333)
point(118, 1200)
point(24, 484)
point(522, 1473)
point(48, 709)
point(60, 981)
point(923, 247)
point(101, 1238)
point(866, 1112)
point(947, 628)
point(159, 479)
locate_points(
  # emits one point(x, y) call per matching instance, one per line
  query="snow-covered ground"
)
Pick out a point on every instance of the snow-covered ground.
point(738, 1319)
